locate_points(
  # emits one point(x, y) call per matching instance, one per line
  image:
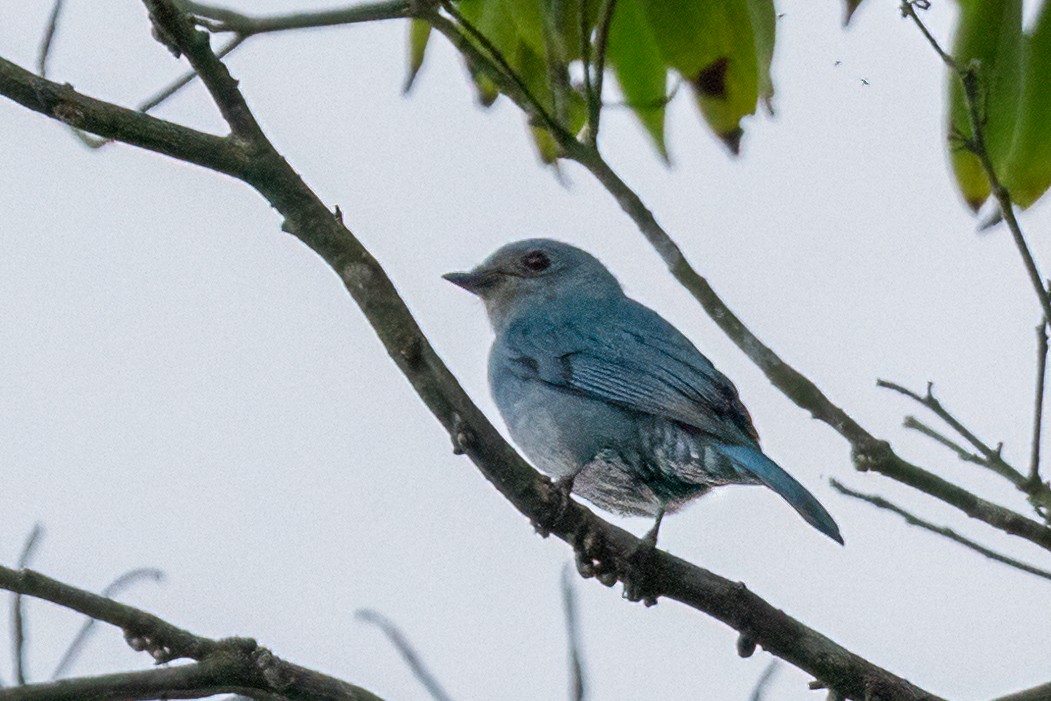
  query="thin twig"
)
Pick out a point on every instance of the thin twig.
point(49, 37)
point(952, 535)
point(115, 587)
point(18, 628)
point(605, 19)
point(164, 93)
point(407, 652)
point(964, 454)
point(225, 20)
point(992, 457)
point(585, 55)
point(232, 665)
point(556, 52)
point(764, 680)
point(969, 79)
point(577, 678)
point(1038, 409)
point(174, 29)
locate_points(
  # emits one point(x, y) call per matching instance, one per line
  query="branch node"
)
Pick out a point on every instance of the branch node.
point(745, 645)
point(461, 434)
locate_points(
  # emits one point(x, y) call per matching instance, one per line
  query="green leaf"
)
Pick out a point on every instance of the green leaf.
point(764, 27)
point(712, 45)
point(851, 7)
point(546, 146)
point(640, 70)
point(529, 23)
point(493, 19)
point(419, 34)
point(1028, 172)
point(989, 36)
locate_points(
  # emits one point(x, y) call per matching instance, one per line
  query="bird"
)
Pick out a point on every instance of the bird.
point(608, 398)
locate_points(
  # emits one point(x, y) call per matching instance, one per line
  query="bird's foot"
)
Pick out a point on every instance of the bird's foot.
point(639, 581)
point(593, 557)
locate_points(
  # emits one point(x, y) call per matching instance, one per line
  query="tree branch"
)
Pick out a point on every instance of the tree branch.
point(230, 665)
point(176, 31)
point(577, 678)
point(991, 458)
point(66, 105)
point(605, 20)
point(952, 535)
point(1039, 493)
point(49, 37)
point(961, 452)
point(1034, 481)
point(18, 625)
point(405, 649)
point(225, 20)
point(609, 553)
point(764, 680)
point(1036, 693)
point(115, 587)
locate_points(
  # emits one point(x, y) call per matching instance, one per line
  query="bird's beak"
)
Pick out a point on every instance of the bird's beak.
point(474, 282)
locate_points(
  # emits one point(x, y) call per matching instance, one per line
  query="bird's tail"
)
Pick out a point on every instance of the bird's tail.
point(770, 473)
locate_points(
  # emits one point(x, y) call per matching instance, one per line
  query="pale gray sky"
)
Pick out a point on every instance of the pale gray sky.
point(184, 386)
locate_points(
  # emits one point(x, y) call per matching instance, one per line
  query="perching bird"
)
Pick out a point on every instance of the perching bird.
point(608, 398)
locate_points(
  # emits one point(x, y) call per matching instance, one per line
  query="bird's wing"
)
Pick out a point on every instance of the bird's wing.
point(639, 361)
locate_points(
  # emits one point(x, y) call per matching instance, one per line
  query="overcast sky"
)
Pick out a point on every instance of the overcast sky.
point(184, 386)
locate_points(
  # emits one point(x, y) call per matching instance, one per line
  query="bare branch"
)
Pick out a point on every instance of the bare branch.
point(1038, 410)
point(224, 20)
point(163, 94)
point(578, 686)
point(177, 32)
point(175, 642)
point(1036, 693)
point(231, 665)
point(49, 37)
point(992, 457)
point(191, 681)
point(407, 652)
point(63, 103)
point(1039, 493)
point(952, 535)
point(605, 20)
point(964, 454)
point(118, 585)
point(18, 626)
point(764, 680)
point(585, 54)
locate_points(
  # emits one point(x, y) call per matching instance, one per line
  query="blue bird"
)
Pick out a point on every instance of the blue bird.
point(607, 397)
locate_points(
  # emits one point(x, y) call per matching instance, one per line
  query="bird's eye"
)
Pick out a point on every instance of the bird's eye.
point(536, 261)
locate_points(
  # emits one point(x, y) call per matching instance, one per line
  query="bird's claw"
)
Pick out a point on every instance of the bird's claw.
point(592, 558)
point(561, 490)
point(564, 489)
point(638, 581)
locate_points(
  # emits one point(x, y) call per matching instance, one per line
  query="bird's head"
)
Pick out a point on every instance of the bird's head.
point(528, 274)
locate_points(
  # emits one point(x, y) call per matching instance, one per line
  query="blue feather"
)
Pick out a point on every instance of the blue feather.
point(770, 473)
